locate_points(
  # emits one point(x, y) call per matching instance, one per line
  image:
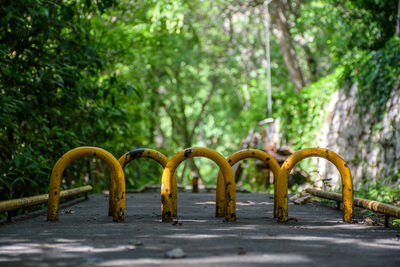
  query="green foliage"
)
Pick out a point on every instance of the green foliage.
point(172, 74)
point(369, 23)
point(381, 189)
point(396, 222)
point(50, 90)
point(301, 115)
point(377, 73)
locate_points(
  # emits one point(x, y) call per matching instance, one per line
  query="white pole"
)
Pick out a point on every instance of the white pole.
point(266, 3)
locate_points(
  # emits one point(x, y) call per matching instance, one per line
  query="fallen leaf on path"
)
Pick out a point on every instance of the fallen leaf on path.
point(175, 253)
point(369, 221)
point(137, 243)
point(242, 252)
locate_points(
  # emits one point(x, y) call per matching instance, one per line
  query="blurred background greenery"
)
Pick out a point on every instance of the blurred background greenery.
point(171, 74)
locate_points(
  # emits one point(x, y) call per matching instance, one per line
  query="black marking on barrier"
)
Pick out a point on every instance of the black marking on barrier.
point(126, 160)
point(137, 153)
point(188, 152)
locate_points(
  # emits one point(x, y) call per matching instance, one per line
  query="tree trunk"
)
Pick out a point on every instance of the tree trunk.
point(311, 62)
point(194, 170)
point(182, 177)
point(286, 44)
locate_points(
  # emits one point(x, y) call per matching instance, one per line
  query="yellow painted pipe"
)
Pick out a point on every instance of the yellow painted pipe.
point(376, 206)
point(117, 196)
point(173, 163)
point(14, 204)
point(282, 182)
point(232, 160)
point(157, 156)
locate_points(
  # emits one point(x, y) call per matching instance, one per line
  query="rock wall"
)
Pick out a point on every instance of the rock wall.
point(371, 147)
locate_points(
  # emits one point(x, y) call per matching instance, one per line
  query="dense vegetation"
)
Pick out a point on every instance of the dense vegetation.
point(168, 75)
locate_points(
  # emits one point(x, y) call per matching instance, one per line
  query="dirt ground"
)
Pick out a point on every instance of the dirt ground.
point(86, 236)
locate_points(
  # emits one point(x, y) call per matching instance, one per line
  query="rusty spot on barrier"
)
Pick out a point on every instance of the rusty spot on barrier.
point(188, 152)
point(346, 165)
point(267, 159)
point(55, 193)
point(170, 195)
point(280, 214)
point(229, 160)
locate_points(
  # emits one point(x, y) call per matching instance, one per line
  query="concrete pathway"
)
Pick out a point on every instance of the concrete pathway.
point(86, 236)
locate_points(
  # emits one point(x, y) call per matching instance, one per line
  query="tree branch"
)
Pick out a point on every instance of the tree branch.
point(174, 126)
point(203, 106)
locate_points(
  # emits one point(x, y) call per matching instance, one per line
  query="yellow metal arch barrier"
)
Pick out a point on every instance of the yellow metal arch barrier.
point(232, 160)
point(157, 156)
point(173, 163)
point(116, 197)
point(282, 182)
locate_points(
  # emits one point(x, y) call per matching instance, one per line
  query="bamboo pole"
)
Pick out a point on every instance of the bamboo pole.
point(14, 204)
point(376, 206)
